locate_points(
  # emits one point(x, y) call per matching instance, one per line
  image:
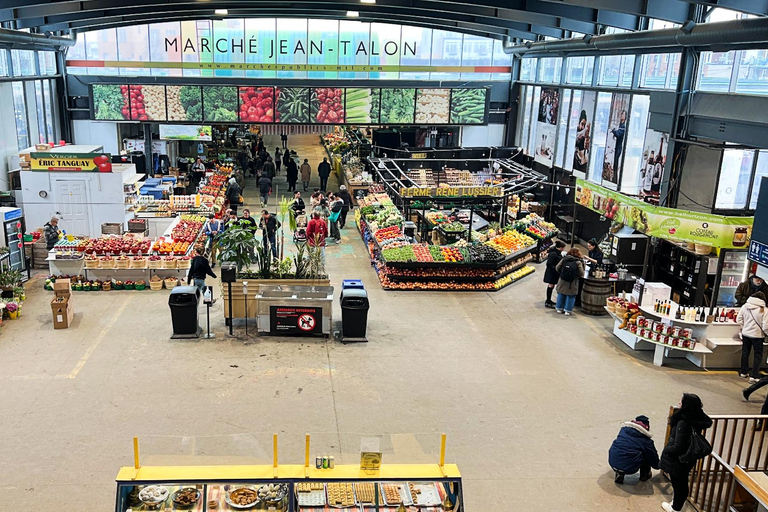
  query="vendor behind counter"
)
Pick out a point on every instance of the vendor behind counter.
point(594, 254)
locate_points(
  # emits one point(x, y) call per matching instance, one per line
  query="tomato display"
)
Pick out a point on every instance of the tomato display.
point(257, 104)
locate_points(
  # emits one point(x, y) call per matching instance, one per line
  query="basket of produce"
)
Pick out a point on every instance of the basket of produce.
point(118, 285)
point(184, 262)
point(169, 262)
point(171, 283)
point(129, 285)
point(91, 262)
point(154, 262)
point(122, 262)
point(139, 262)
point(155, 283)
point(87, 286)
point(140, 285)
point(106, 262)
point(106, 286)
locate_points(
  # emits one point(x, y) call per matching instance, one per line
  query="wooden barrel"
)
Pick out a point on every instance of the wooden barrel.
point(594, 296)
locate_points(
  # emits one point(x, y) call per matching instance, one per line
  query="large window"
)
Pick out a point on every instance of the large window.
point(578, 70)
point(446, 51)
point(633, 155)
point(528, 70)
point(660, 71)
point(20, 113)
point(761, 171)
point(534, 123)
point(735, 178)
point(616, 70)
point(527, 95)
point(4, 71)
point(549, 70)
point(49, 88)
point(715, 71)
point(599, 134)
point(753, 72)
point(500, 58)
point(23, 62)
point(42, 136)
point(477, 51)
point(562, 127)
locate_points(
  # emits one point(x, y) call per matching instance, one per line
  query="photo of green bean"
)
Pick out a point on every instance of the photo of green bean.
point(291, 105)
point(468, 106)
point(398, 106)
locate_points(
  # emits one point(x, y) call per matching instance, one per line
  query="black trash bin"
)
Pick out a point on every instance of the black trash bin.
point(354, 313)
point(183, 303)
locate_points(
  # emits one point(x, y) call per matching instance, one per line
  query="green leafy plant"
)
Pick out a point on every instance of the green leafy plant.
point(315, 263)
point(282, 268)
point(10, 279)
point(301, 262)
point(264, 261)
point(237, 244)
point(285, 209)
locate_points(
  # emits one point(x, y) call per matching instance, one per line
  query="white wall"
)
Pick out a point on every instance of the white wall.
point(99, 133)
point(482, 136)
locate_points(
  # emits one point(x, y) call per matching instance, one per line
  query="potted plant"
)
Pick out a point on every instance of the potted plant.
point(10, 279)
point(237, 245)
point(13, 310)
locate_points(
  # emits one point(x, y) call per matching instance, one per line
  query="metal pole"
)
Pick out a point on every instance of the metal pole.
point(229, 286)
point(471, 217)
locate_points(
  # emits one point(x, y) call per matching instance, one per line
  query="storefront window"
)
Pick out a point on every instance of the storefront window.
point(50, 113)
point(633, 152)
point(562, 127)
point(476, 51)
point(500, 59)
point(133, 45)
point(528, 70)
point(753, 72)
point(446, 51)
point(599, 133)
point(715, 70)
point(735, 177)
point(549, 70)
point(761, 172)
point(23, 62)
point(579, 70)
point(20, 113)
point(418, 41)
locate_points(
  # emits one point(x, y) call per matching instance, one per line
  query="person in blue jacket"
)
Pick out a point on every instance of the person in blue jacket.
point(633, 450)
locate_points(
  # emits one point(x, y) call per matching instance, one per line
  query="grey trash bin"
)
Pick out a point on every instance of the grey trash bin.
point(354, 313)
point(183, 302)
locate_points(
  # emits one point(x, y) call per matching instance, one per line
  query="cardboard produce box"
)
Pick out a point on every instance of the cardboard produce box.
point(63, 313)
point(62, 288)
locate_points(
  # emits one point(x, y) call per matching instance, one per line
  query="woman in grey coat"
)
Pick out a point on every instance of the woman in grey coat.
point(570, 268)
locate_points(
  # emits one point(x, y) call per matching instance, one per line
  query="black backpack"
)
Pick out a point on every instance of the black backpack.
point(698, 449)
point(570, 270)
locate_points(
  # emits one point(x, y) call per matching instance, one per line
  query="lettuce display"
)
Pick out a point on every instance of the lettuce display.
point(397, 105)
point(219, 103)
point(185, 103)
point(291, 105)
point(362, 105)
point(109, 104)
point(468, 106)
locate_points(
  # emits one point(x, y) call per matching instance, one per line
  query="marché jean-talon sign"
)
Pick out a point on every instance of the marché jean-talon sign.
point(278, 47)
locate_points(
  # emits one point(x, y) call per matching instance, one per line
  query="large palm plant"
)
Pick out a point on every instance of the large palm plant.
point(237, 243)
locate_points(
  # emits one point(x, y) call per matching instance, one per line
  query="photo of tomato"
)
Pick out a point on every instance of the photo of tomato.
point(256, 105)
point(327, 105)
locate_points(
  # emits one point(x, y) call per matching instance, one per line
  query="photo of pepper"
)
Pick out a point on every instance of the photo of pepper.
point(219, 103)
point(257, 105)
point(397, 105)
point(109, 103)
point(327, 105)
point(362, 105)
point(468, 106)
point(185, 103)
point(291, 105)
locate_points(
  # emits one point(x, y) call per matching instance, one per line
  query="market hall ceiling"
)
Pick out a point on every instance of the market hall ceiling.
point(521, 19)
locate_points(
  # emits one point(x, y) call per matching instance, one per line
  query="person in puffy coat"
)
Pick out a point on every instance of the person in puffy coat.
point(753, 320)
point(633, 450)
point(689, 416)
point(568, 285)
point(551, 275)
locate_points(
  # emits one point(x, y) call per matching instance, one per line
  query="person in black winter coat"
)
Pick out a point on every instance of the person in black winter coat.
point(343, 194)
point(689, 416)
point(269, 169)
point(633, 450)
point(233, 194)
point(551, 275)
point(291, 174)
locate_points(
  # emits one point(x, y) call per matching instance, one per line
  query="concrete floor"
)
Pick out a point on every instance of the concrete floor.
point(530, 400)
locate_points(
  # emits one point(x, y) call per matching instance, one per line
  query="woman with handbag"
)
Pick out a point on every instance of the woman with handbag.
point(753, 320)
point(688, 421)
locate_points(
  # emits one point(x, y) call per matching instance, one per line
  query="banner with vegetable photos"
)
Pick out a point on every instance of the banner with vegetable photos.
point(290, 105)
point(185, 132)
point(70, 162)
point(668, 223)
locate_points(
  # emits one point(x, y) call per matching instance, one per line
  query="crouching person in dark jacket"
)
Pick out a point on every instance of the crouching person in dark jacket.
point(633, 450)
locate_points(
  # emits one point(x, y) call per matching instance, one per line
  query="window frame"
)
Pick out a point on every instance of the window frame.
point(747, 203)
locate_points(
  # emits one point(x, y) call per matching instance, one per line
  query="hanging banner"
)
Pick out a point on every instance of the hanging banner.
point(667, 223)
point(70, 162)
point(452, 192)
point(185, 132)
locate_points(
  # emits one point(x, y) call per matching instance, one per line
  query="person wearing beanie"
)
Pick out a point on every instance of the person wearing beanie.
point(633, 450)
point(753, 320)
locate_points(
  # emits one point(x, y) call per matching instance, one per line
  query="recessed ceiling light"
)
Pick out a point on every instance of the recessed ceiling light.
point(353, 14)
point(221, 12)
point(367, 1)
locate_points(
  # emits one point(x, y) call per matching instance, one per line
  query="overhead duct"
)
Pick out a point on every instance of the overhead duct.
point(720, 36)
point(17, 40)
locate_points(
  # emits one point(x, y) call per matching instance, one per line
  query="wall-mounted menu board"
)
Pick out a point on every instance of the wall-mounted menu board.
point(289, 105)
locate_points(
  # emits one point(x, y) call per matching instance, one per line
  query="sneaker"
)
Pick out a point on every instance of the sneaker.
point(619, 478)
point(743, 375)
point(668, 507)
point(567, 313)
point(745, 393)
point(560, 311)
point(753, 380)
